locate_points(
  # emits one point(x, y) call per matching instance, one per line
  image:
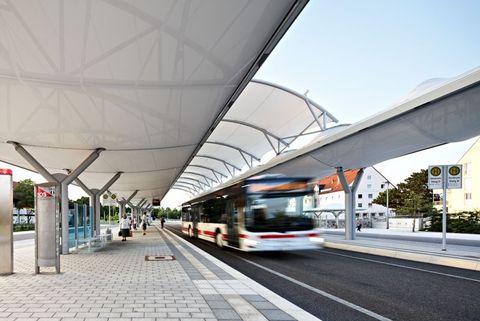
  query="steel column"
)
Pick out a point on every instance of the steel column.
point(350, 193)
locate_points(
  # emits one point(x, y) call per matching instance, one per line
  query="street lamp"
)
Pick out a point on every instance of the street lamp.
point(388, 216)
point(316, 191)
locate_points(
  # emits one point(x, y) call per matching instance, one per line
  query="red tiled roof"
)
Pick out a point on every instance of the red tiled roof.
point(332, 183)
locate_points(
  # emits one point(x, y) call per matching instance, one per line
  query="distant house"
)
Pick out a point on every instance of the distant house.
point(331, 199)
point(468, 197)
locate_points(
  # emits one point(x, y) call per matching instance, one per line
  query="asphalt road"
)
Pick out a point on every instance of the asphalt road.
point(340, 285)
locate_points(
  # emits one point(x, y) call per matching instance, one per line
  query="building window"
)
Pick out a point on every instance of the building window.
point(468, 196)
point(359, 205)
point(369, 177)
point(370, 195)
point(369, 185)
point(360, 196)
point(369, 205)
point(467, 168)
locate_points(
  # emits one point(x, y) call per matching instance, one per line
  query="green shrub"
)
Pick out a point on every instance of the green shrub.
point(462, 222)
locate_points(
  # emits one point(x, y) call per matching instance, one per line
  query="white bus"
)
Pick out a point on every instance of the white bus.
point(255, 214)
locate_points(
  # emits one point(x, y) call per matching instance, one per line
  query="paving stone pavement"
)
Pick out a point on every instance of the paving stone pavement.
point(116, 282)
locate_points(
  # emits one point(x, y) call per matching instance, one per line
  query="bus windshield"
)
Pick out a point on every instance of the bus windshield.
point(276, 213)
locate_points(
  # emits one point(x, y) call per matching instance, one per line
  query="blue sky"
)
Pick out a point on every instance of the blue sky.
point(357, 58)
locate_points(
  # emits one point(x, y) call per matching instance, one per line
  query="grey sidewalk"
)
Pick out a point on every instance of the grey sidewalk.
point(463, 250)
point(116, 282)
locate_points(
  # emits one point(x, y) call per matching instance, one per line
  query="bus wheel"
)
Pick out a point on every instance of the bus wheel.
point(218, 239)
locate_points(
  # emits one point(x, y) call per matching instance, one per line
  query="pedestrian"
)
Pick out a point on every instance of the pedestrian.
point(144, 224)
point(134, 223)
point(359, 226)
point(124, 227)
point(162, 222)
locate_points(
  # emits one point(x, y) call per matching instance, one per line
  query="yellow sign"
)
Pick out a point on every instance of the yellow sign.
point(436, 171)
point(454, 170)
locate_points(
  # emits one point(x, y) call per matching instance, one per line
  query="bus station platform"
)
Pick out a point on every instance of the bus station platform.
point(157, 276)
point(462, 250)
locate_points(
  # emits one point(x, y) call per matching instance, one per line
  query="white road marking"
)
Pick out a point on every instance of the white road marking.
point(401, 266)
point(323, 293)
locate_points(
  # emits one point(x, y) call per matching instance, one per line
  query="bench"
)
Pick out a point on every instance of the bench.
point(103, 238)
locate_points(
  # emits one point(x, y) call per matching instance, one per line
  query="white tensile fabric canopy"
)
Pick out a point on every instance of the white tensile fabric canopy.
point(146, 80)
point(445, 113)
point(266, 118)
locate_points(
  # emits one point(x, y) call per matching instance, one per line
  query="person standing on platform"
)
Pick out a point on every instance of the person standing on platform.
point(144, 224)
point(124, 227)
point(162, 221)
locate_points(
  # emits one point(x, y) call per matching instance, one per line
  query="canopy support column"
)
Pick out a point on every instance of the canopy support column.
point(62, 183)
point(70, 178)
point(124, 202)
point(350, 193)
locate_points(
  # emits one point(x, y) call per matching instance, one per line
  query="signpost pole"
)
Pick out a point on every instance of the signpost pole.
point(444, 211)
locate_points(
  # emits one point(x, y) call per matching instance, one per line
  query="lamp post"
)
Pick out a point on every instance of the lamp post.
point(388, 215)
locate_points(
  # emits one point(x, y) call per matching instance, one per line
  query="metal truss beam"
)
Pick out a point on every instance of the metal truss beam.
point(242, 152)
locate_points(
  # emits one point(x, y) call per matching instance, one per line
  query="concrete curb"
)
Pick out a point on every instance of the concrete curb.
point(405, 255)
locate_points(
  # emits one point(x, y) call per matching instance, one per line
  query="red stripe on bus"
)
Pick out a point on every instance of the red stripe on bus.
point(207, 233)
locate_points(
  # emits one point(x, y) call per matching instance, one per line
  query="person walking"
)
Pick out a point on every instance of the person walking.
point(124, 227)
point(162, 221)
point(359, 226)
point(144, 224)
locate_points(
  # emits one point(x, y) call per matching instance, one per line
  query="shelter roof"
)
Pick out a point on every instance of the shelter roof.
point(445, 113)
point(266, 118)
point(146, 80)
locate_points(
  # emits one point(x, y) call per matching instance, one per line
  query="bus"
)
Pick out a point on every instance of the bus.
point(255, 214)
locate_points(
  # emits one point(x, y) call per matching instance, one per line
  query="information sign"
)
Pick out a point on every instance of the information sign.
point(435, 177)
point(454, 176)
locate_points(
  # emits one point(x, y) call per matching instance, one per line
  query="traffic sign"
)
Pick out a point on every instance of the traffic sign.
point(435, 177)
point(454, 176)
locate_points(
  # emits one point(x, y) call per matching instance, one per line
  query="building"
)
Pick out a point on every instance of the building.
point(331, 198)
point(468, 197)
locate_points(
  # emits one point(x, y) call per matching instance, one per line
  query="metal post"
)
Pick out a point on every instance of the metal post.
point(388, 214)
point(85, 229)
point(349, 212)
point(349, 201)
point(75, 219)
point(64, 220)
point(444, 211)
point(6, 226)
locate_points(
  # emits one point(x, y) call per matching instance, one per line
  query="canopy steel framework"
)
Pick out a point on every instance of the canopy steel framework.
point(145, 81)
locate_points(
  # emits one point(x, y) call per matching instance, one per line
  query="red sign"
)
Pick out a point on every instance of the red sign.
point(5, 171)
point(47, 192)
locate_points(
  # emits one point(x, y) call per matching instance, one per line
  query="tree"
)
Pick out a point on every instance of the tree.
point(23, 196)
point(412, 197)
point(83, 200)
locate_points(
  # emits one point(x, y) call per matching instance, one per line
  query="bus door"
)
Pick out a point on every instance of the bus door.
point(232, 224)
